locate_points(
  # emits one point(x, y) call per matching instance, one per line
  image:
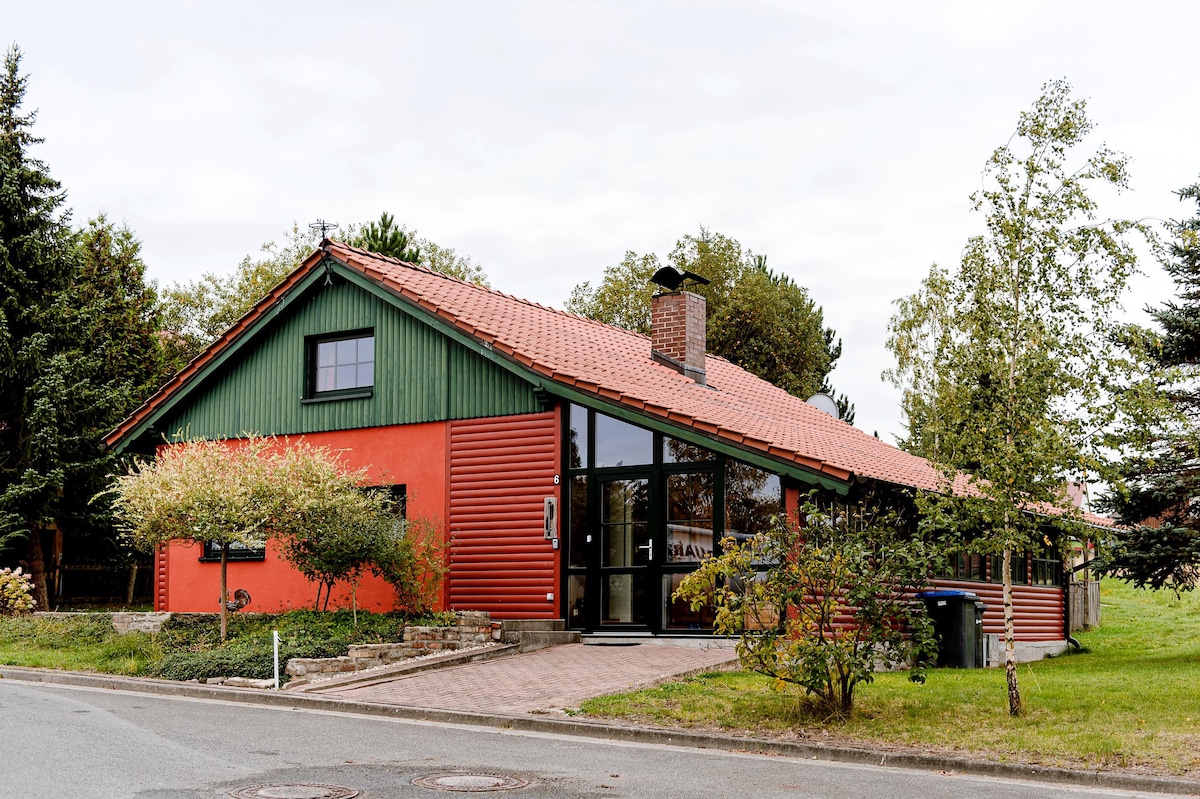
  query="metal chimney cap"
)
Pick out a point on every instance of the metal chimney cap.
point(672, 277)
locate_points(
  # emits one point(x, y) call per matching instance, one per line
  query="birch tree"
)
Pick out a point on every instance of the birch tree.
point(1010, 363)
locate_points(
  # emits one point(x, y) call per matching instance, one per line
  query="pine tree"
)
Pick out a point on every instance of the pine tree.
point(760, 320)
point(385, 238)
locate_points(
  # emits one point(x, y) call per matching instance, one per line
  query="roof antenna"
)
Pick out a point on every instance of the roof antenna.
point(323, 227)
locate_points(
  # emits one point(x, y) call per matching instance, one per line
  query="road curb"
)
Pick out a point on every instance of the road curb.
point(615, 732)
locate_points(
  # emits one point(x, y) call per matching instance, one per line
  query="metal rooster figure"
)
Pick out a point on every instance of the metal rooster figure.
point(241, 598)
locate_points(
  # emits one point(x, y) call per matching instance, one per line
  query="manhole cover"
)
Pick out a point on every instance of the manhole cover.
point(305, 790)
point(469, 783)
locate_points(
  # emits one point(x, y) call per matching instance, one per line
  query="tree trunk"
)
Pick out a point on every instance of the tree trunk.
point(224, 593)
point(133, 570)
point(1010, 643)
point(36, 562)
point(354, 600)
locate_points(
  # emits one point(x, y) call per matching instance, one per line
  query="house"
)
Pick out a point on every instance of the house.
point(578, 470)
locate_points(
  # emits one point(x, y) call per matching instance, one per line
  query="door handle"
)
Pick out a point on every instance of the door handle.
point(648, 548)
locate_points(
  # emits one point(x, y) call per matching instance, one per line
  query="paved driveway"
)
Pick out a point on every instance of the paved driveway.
point(547, 680)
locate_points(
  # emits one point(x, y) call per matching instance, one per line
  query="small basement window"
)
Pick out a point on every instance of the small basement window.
point(341, 366)
point(211, 553)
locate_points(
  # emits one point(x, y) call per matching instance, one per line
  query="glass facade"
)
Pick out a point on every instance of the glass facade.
point(644, 509)
point(622, 444)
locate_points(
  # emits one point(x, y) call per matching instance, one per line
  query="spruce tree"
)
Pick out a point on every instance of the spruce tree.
point(79, 348)
point(1160, 542)
point(114, 355)
point(37, 257)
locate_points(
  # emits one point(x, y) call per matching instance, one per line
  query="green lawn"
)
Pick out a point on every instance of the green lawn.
point(1132, 701)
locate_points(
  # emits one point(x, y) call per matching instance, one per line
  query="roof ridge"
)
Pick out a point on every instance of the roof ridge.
point(488, 289)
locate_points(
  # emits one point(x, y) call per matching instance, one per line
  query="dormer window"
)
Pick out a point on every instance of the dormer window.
point(341, 366)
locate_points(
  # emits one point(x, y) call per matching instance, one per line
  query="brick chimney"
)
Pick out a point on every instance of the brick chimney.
point(678, 332)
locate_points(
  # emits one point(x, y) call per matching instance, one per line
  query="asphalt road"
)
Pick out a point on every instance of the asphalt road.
point(88, 743)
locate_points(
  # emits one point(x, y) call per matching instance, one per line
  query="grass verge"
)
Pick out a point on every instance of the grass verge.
point(1132, 701)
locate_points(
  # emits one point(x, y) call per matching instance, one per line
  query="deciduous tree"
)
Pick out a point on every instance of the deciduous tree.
point(254, 490)
point(195, 314)
point(1009, 363)
point(203, 492)
point(758, 319)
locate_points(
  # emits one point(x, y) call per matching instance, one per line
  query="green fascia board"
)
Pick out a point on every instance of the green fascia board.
point(332, 265)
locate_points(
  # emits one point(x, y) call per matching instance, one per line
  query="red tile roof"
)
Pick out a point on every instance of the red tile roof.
point(615, 364)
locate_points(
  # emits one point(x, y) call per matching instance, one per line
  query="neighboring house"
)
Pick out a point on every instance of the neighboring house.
point(578, 470)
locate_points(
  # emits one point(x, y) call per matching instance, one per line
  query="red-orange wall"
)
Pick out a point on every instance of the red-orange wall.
point(414, 455)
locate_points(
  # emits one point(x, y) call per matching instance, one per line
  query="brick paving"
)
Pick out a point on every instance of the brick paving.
point(536, 682)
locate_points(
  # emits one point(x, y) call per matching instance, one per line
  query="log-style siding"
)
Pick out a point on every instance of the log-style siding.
point(501, 471)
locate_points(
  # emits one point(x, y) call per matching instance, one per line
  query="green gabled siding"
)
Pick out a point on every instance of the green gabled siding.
point(420, 375)
point(478, 387)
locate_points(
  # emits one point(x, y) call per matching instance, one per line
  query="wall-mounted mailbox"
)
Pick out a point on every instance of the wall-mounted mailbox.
point(550, 518)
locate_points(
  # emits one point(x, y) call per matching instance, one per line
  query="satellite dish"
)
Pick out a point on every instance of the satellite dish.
point(823, 402)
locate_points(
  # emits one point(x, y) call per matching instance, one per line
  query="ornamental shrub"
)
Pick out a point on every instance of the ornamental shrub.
point(823, 603)
point(253, 662)
point(16, 593)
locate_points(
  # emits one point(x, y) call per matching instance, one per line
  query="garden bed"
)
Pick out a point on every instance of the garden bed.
point(189, 648)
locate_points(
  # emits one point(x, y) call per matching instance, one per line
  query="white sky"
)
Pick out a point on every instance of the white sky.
point(545, 139)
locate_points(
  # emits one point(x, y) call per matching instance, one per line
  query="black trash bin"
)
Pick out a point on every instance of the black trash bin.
point(958, 625)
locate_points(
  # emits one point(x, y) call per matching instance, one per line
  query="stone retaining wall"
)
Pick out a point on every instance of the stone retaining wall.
point(139, 622)
point(122, 622)
point(472, 628)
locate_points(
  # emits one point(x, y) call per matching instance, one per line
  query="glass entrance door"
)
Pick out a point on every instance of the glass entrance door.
point(632, 538)
point(626, 549)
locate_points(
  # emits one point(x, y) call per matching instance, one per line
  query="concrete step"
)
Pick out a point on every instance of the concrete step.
point(532, 625)
point(540, 639)
point(531, 634)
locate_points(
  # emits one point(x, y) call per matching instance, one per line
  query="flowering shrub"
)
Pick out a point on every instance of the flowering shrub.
point(16, 593)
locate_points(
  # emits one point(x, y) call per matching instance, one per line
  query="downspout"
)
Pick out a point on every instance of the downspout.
point(1066, 581)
